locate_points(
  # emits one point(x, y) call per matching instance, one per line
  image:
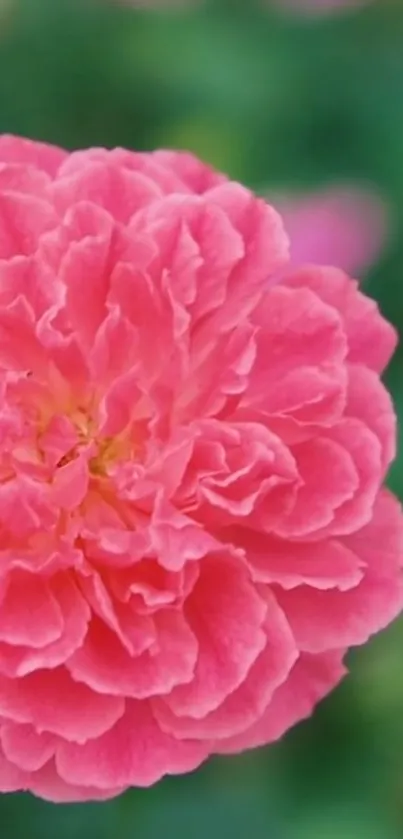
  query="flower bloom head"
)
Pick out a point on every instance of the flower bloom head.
point(194, 437)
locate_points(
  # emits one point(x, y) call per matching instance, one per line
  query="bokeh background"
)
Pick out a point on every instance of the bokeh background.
point(291, 104)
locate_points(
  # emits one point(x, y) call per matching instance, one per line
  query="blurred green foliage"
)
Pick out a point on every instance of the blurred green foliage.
point(278, 103)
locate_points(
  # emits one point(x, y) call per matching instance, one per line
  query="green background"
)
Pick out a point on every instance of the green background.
point(276, 102)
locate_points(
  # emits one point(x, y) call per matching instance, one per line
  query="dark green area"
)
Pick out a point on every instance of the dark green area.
point(276, 103)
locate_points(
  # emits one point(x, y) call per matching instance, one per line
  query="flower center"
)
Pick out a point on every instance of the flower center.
point(110, 449)
point(105, 450)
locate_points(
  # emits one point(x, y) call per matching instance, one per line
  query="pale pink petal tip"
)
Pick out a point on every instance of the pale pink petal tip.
point(194, 442)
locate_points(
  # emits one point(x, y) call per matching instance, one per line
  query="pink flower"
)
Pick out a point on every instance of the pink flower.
point(194, 437)
point(337, 226)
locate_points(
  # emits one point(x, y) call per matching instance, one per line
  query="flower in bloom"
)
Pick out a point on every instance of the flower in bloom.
point(342, 226)
point(194, 437)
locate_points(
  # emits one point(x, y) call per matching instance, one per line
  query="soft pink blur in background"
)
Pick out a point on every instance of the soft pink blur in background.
point(341, 226)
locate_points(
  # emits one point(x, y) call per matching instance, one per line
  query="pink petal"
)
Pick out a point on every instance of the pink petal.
point(383, 535)
point(115, 349)
point(329, 479)
point(266, 250)
point(47, 784)
point(71, 483)
point(134, 753)
point(304, 340)
point(199, 246)
point(42, 156)
point(16, 178)
point(25, 507)
point(24, 747)
point(118, 406)
point(68, 368)
point(136, 632)
point(85, 270)
point(365, 451)
point(239, 472)
point(53, 702)
point(323, 565)
point(58, 439)
point(23, 219)
point(29, 277)
point(12, 778)
point(106, 667)
point(119, 191)
point(197, 176)
point(297, 327)
point(176, 538)
point(312, 678)
point(165, 173)
point(226, 615)
point(246, 704)
point(29, 612)
point(324, 620)
point(148, 586)
point(168, 464)
point(369, 401)
point(75, 614)
point(20, 347)
point(371, 339)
